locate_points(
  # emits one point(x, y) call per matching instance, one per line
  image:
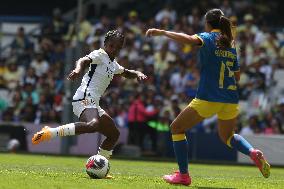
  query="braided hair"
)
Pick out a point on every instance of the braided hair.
point(113, 34)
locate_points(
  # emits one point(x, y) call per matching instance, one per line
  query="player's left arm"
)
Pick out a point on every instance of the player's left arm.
point(132, 74)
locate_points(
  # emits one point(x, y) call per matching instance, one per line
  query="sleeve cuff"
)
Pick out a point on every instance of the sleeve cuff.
point(202, 42)
point(89, 57)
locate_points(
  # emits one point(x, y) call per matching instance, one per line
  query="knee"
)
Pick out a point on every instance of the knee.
point(176, 128)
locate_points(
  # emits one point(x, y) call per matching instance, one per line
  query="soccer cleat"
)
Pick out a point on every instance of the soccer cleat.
point(42, 135)
point(178, 178)
point(260, 162)
point(109, 177)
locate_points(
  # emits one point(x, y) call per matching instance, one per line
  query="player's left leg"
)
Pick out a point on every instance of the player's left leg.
point(108, 128)
point(187, 119)
point(100, 121)
point(226, 130)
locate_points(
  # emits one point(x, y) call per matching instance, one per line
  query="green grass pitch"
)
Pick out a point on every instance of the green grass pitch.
point(46, 172)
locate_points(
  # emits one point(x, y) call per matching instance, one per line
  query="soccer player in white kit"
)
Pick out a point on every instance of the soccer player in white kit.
point(102, 68)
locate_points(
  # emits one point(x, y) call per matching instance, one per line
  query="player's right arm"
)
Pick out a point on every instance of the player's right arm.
point(179, 37)
point(80, 65)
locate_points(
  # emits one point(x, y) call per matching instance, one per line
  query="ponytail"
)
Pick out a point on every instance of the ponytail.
point(225, 39)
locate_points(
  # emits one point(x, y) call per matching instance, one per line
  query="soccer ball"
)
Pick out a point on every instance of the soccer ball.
point(97, 167)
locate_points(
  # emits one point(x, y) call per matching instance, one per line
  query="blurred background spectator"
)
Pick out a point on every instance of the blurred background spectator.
point(32, 76)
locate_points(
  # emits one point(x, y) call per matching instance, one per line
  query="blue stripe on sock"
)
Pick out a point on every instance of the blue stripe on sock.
point(181, 152)
point(241, 144)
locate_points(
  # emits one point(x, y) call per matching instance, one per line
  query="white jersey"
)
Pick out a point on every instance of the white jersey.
point(99, 76)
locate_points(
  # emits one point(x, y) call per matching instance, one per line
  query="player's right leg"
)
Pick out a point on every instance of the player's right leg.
point(187, 119)
point(88, 124)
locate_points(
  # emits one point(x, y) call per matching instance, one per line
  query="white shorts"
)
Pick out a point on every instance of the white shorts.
point(80, 106)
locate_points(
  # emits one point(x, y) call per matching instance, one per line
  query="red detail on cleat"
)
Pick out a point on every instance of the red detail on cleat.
point(178, 178)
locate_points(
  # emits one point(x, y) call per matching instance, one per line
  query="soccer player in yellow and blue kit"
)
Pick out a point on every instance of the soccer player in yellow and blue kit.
point(217, 93)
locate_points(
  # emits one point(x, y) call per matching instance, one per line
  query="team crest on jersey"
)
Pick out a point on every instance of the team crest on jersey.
point(88, 102)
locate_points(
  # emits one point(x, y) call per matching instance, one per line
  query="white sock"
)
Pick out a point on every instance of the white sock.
point(105, 153)
point(64, 130)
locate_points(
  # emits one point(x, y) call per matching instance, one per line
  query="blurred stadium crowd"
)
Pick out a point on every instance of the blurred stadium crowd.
point(32, 77)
